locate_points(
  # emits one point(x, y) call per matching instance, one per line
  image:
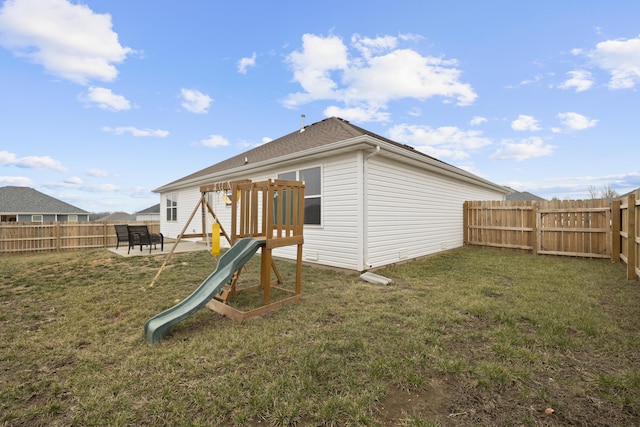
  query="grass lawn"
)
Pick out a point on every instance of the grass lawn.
point(468, 337)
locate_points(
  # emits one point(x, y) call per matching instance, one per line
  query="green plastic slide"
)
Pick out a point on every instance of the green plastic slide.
point(230, 262)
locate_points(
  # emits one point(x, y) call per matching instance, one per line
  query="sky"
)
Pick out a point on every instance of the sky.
point(102, 101)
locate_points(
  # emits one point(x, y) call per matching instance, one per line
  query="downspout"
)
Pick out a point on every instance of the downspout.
point(365, 213)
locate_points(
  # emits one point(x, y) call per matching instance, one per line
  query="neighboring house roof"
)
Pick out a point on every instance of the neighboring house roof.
point(320, 136)
point(118, 216)
point(155, 209)
point(525, 195)
point(25, 200)
point(626, 194)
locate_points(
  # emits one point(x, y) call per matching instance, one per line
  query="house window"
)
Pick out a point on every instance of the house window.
point(36, 218)
point(72, 218)
point(312, 178)
point(172, 207)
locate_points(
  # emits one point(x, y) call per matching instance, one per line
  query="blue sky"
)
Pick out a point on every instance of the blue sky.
point(103, 101)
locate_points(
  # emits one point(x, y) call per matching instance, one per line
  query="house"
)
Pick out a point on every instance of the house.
point(369, 201)
point(24, 204)
point(150, 214)
point(117, 217)
point(524, 195)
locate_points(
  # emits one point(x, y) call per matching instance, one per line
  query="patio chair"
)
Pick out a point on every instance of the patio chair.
point(139, 235)
point(122, 233)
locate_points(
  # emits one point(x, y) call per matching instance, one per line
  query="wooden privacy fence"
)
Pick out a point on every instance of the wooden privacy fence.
point(58, 236)
point(626, 225)
point(596, 228)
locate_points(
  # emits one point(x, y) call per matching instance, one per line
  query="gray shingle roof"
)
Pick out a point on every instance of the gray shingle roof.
point(118, 216)
point(525, 195)
point(25, 200)
point(151, 210)
point(316, 135)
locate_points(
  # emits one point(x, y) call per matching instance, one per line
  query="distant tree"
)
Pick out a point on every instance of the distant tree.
point(608, 193)
point(593, 192)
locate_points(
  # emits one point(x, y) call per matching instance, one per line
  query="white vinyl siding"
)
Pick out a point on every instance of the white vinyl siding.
point(187, 200)
point(336, 242)
point(412, 212)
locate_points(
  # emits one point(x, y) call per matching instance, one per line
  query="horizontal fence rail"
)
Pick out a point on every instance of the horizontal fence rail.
point(579, 228)
point(59, 236)
point(597, 228)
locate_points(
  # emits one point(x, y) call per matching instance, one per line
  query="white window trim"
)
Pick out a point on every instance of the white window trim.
point(173, 207)
point(321, 195)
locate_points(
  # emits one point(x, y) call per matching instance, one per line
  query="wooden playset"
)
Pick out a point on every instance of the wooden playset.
point(270, 211)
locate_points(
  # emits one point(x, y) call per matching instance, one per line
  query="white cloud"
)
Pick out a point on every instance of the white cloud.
point(374, 73)
point(358, 114)
point(215, 141)
point(313, 66)
point(522, 150)
point(477, 120)
point(415, 112)
point(69, 40)
point(40, 162)
point(30, 162)
point(105, 99)
point(195, 101)
point(97, 172)
point(524, 122)
point(580, 80)
point(535, 79)
point(19, 181)
point(121, 130)
point(405, 73)
point(245, 63)
point(106, 187)
point(621, 58)
point(76, 183)
point(575, 121)
point(447, 141)
point(7, 158)
point(369, 47)
point(74, 180)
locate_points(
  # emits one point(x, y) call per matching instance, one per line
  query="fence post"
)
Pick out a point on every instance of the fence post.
point(631, 239)
point(615, 231)
point(465, 223)
point(534, 227)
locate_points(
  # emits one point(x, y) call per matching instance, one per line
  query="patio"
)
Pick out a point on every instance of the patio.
point(183, 246)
